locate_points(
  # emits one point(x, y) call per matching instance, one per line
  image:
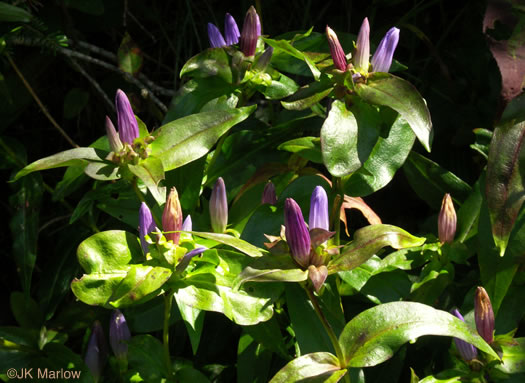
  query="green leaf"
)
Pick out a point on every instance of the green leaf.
point(10, 13)
point(151, 172)
point(71, 157)
point(102, 171)
point(272, 268)
point(513, 357)
point(25, 310)
point(505, 180)
point(269, 335)
point(129, 56)
point(387, 156)
point(253, 361)
point(193, 320)
point(146, 355)
point(367, 241)
point(308, 95)
point(431, 181)
point(306, 147)
point(468, 214)
point(283, 46)
point(237, 243)
point(191, 137)
point(339, 141)
point(374, 335)
point(398, 94)
point(320, 365)
point(211, 62)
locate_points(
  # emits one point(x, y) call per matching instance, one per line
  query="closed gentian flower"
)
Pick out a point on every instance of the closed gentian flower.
point(187, 225)
point(318, 209)
point(96, 353)
point(382, 59)
point(172, 217)
point(263, 60)
point(231, 30)
point(336, 50)
point(484, 315)
point(269, 195)
point(128, 127)
point(215, 36)
point(146, 225)
point(119, 334)
point(251, 30)
point(466, 350)
point(362, 48)
point(447, 220)
point(114, 140)
point(296, 232)
point(185, 261)
point(219, 207)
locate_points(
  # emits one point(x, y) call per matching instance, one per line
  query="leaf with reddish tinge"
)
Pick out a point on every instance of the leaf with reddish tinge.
point(359, 204)
point(504, 186)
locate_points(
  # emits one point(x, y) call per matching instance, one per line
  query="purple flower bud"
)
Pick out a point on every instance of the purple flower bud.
point(187, 225)
point(336, 50)
point(447, 220)
point(318, 209)
point(484, 315)
point(263, 60)
point(172, 217)
point(382, 58)
point(96, 353)
point(297, 234)
point(269, 195)
point(219, 207)
point(128, 127)
point(231, 30)
point(466, 350)
point(114, 141)
point(215, 36)
point(362, 48)
point(251, 30)
point(185, 261)
point(119, 334)
point(146, 225)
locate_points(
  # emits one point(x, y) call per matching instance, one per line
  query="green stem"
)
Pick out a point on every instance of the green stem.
point(329, 329)
point(168, 299)
point(339, 196)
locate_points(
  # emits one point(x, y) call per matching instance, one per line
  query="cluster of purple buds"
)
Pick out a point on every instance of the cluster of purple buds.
point(251, 30)
point(302, 241)
point(382, 58)
point(219, 207)
point(466, 350)
point(128, 127)
point(447, 220)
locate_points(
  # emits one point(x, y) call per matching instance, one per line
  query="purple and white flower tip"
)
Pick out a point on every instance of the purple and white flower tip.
point(269, 195)
point(466, 350)
point(187, 225)
point(447, 220)
point(215, 36)
point(336, 50)
point(484, 315)
point(185, 261)
point(382, 59)
point(119, 334)
point(296, 232)
point(114, 140)
point(251, 30)
point(231, 30)
point(96, 353)
point(172, 217)
point(219, 207)
point(362, 48)
point(146, 225)
point(318, 209)
point(128, 127)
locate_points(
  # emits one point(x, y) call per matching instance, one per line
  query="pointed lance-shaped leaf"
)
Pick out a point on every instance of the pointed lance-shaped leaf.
point(447, 220)
point(318, 209)
point(296, 232)
point(128, 127)
point(114, 140)
point(119, 334)
point(219, 207)
point(251, 30)
point(215, 36)
point(172, 217)
point(336, 50)
point(484, 315)
point(382, 59)
point(231, 30)
point(465, 349)
point(362, 48)
point(146, 225)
